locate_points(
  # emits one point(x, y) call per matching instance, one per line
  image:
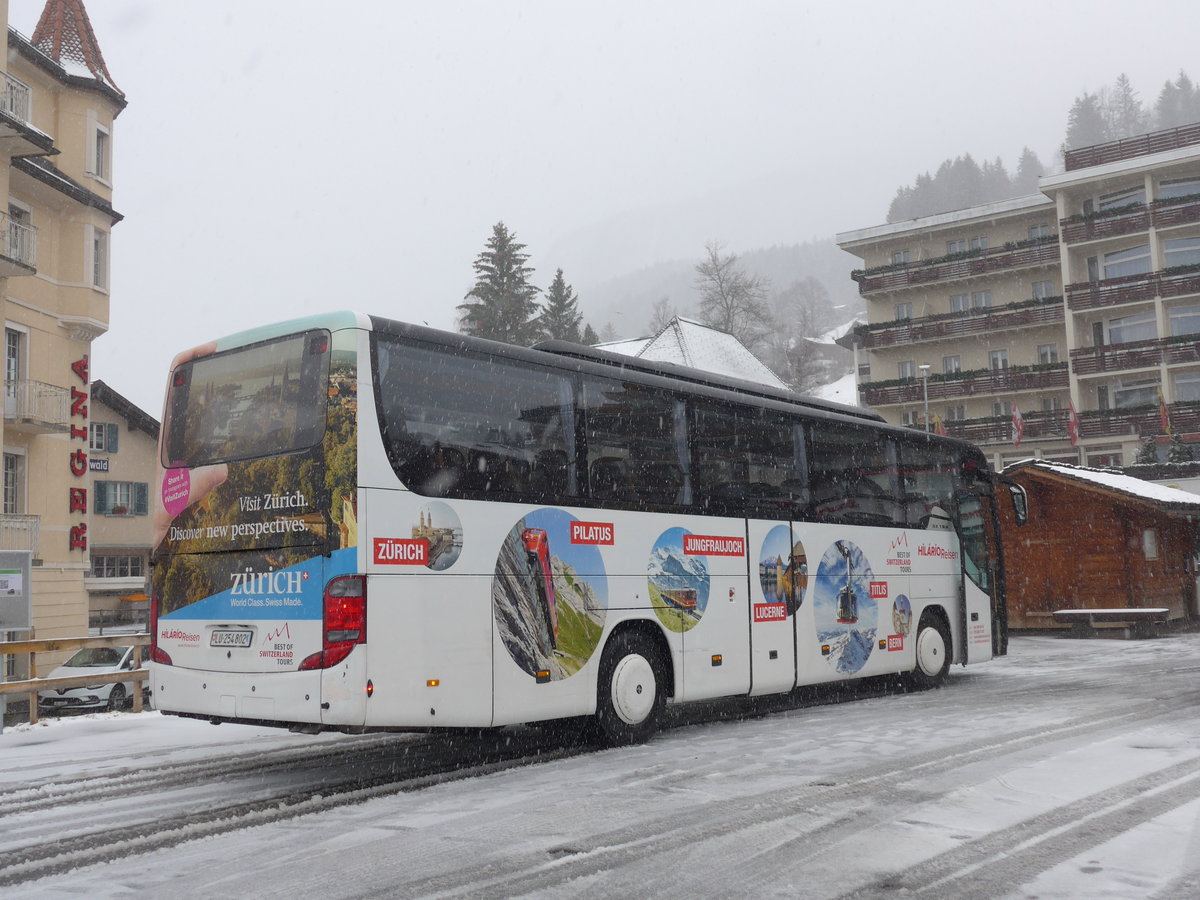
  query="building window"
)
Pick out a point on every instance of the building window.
point(903, 311)
point(1051, 404)
point(1100, 457)
point(121, 498)
point(1131, 261)
point(1002, 408)
point(899, 256)
point(98, 258)
point(960, 302)
point(1181, 252)
point(910, 417)
point(118, 566)
point(1185, 319)
point(102, 437)
point(907, 369)
point(1187, 387)
point(1127, 394)
point(1150, 543)
point(1122, 198)
point(997, 360)
point(979, 243)
point(1043, 290)
point(14, 360)
point(951, 364)
point(12, 501)
point(1036, 232)
point(981, 299)
point(1047, 353)
point(1171, 188)
point(956, 413)
point(99, 150)
point(1137, 327)
point(953, 247)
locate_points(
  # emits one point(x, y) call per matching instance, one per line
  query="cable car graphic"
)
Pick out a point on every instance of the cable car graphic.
point(847, 601)
point(537, 556)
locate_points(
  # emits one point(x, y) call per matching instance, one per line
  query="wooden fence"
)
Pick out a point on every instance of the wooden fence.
point(33, 684)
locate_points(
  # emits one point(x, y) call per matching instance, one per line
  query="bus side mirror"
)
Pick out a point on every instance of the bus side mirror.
point(1020, 502)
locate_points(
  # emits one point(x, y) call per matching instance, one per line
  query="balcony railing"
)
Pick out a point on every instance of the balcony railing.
point(22, 242)
point(1052, 425)
point(966, 384)
point(1173, 282)
point(1114, 151)
point(1160, 214)
point(981, 262)
point(998, 429)
point(15, 99)
point(1135, 355)
point(36, 406)
point(20, 533)
point(955, 325)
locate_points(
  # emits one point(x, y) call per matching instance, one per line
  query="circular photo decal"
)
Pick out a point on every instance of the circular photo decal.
point(678, 582)
point(549, 596)
point(846, 615)
point(438, 524)
point(901, 615)
point(783, 569)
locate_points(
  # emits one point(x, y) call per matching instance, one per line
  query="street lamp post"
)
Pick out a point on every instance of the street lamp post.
point(925, 390)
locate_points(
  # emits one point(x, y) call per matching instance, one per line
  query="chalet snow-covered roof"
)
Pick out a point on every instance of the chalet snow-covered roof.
point(64, 34)
point(686, 342)
point(1158, 495)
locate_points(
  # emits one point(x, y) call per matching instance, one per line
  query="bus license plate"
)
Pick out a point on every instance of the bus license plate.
point(230, 639)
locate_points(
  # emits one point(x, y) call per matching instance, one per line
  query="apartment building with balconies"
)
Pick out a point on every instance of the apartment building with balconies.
point(56, 169)
point(1074, 307)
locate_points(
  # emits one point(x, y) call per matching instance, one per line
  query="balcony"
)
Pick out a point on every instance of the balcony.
point(1135, 355)
point(955, 325)
point(1042, 251)
point(1128, 220)
point(1140, 421)
point(20, 533)
point(35, 407)
point(18, 255)
point(998, 429)
point(17, 135)
point(979, 382)
point(1174, 282)
point(1129, 148)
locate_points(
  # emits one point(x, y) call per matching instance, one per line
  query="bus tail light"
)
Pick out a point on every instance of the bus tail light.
point(157, 654)
point(345, 621)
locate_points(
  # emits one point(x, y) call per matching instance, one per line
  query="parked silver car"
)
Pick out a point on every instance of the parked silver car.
point(92, 661)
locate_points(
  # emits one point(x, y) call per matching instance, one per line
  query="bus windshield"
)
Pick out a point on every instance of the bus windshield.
point(264, 400)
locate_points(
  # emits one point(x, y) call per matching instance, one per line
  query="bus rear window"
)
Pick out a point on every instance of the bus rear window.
point(267, 399)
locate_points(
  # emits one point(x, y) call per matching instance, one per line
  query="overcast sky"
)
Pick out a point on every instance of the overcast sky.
point(285, 158)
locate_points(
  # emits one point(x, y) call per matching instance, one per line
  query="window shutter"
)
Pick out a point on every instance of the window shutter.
point(100, 489)
point(110, 438)
point(141, 498)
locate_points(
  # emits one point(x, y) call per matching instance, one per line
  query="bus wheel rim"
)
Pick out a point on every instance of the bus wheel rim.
point(633, 689)
point(931, 651)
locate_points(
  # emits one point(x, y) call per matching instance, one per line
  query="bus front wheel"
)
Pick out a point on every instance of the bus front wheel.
point(933, 652)
point(629, 695)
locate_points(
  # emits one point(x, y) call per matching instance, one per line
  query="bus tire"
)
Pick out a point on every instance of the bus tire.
point(934, 649)
point(630, 693)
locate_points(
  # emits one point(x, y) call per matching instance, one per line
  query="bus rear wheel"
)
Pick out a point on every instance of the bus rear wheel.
point(629, 695)
point(933, 652)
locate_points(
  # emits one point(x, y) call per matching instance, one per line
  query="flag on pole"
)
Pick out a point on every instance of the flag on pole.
point(1164, 417)
point(938, 425)
point(1018, 426)
point(1072, 423)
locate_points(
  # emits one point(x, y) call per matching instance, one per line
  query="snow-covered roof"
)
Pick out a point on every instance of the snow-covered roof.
point(64, 34)
point(686, 342)
point(630, 347)
point(1134, 488)
point(844, 390)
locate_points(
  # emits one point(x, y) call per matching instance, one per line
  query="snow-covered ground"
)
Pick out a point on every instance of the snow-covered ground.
point(1068, 769)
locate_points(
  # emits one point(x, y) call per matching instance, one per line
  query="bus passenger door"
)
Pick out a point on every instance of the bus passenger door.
point(980, 597)
point(779, 581)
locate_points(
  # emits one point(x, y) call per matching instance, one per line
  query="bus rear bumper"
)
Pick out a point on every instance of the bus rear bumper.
point(268, 698)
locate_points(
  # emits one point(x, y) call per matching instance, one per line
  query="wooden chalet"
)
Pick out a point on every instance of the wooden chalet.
point(1099, 548)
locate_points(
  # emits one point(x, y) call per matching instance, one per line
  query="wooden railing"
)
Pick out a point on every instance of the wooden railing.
point(1133, 288)
point(1128, 148)
point(33, 684)
point(1161, 214)
point(981, 262)
point(954, 325)
point(1134, 355)
point(965, 384)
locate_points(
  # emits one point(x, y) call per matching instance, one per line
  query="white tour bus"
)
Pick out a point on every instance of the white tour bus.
point(368, 525)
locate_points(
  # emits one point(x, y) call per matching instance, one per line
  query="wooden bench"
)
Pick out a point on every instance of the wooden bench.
point(1138, 623)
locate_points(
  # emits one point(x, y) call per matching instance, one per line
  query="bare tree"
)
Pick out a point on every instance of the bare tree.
point(732, 300)
point(661, 316)
point(800, 311)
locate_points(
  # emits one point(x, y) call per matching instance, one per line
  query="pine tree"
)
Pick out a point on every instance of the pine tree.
point(561, 318)
point(589, 336)
point(1085, 123)
point(1178, 451)
point(502, 305)
point(1147, 453)
point(1029, 170)
point(1124, 112)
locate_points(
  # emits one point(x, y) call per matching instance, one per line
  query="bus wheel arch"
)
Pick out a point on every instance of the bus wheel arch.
point(934, 649)
point(635, 679)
